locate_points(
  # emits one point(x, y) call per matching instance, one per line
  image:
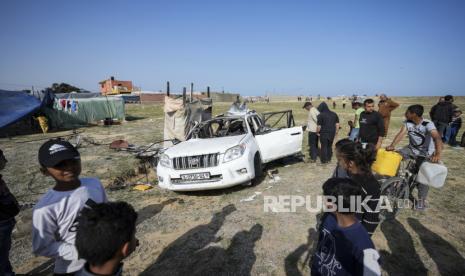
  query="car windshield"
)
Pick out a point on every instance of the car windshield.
point(220, 127)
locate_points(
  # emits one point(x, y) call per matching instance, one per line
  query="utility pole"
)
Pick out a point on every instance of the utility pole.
point(168, 88)
point(184, 95)
point(192, 91)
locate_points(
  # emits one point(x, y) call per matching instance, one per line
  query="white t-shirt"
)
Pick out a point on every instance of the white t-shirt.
point(312, 119)
point(420, 139)
point(53, 220)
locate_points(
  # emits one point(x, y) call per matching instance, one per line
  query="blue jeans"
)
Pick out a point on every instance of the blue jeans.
point(442, 129)
point(354, 134)
point(6, 227)
point(451, 136)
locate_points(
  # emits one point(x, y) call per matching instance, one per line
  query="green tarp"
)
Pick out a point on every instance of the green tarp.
point(82, 112)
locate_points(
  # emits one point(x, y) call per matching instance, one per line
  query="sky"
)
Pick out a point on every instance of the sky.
point(327, 47)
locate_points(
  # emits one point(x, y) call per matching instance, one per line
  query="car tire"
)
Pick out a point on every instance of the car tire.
point(258, 169)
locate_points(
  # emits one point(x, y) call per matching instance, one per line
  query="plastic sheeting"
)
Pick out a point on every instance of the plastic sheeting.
point(74, 95)
point(86, 111)
point(180, 117)
point(16, 105)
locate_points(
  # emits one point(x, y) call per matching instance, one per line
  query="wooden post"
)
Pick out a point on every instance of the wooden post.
point(208, 91)
point(192, 91)
point(168, 88)
point(184, 95)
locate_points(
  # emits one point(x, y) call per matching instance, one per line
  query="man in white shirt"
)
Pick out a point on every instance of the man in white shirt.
point(311, 128)
point(424, 143)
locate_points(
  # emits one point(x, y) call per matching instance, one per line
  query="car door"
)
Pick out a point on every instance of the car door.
point(275, 143)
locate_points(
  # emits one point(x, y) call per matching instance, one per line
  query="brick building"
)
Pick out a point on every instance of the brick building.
point(114, 87)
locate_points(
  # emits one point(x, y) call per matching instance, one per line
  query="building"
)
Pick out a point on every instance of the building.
point(115, 87)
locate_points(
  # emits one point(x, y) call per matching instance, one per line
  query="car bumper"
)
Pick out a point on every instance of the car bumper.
point(222, 176)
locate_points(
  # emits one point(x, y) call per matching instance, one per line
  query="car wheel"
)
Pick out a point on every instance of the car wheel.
point(258, 168)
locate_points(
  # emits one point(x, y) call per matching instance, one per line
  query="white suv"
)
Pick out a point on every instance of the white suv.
point(228, 150)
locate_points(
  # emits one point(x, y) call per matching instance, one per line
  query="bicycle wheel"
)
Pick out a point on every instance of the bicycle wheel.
point(394, 189)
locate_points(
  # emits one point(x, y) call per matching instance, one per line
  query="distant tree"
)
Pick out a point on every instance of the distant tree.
point(64, 88)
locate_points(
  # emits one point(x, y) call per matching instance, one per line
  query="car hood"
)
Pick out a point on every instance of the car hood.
point(204, 146)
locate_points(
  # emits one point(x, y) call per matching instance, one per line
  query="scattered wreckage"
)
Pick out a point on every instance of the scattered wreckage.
point(228, 150)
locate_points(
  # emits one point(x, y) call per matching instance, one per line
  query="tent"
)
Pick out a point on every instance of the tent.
point(15, 105)
point(71, 113)
point(181, 116)
point(74, 95)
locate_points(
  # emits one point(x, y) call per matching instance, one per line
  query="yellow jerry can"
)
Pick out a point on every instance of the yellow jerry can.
point(387, 162)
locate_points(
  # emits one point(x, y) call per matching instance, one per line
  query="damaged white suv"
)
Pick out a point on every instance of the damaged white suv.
point(229, 150)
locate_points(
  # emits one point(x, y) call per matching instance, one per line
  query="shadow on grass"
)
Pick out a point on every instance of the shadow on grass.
point(130, 118)
point(403, 259)
point(151, 210)
point(448, 260)
point(286, 161)
point(291, 263)
point(194, 254)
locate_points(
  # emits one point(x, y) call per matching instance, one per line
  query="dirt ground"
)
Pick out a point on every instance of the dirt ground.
point(218, 232)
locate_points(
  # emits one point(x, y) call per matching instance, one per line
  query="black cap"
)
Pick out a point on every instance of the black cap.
point(55, 151)
point(306, 104)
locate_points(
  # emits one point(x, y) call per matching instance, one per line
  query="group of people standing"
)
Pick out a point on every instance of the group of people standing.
point(368, 126)
point(446, 116)
point(344, 245)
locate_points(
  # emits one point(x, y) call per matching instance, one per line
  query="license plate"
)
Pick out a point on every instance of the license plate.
point(195, 176)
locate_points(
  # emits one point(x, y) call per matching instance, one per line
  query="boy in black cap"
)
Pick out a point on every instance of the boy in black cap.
point(55, 215)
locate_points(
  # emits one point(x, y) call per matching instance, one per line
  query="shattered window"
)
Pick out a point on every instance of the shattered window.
point(278, 120)
point(221, 127)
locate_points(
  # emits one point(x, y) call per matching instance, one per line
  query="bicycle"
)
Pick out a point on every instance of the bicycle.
point(398, 189)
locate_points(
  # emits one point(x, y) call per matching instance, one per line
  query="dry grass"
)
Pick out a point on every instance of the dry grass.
point(177, 229)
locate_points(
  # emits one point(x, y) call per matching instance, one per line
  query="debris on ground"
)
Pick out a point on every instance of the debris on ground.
point(119, 144)
point(142, 187)
point(250, 198)
point(273, 175)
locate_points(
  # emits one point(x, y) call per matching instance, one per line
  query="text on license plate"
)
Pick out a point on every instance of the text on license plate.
point(195, 176)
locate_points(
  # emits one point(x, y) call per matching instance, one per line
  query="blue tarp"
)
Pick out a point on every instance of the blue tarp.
point(16, 105)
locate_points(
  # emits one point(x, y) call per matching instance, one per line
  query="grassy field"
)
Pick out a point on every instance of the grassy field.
point(188, 232)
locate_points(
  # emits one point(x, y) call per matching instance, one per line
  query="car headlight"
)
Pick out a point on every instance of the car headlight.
point(234, 153)
point(165, 161)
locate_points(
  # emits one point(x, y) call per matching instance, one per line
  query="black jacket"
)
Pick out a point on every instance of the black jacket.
point(442, 112)
point(9, 207)
point(371, 127)
point(327, 119)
